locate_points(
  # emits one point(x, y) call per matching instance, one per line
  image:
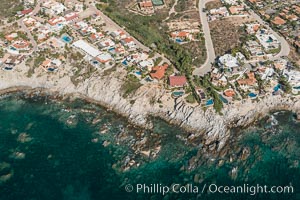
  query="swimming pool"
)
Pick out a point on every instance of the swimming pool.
point(223, 99)
point(148, 79)
point(252, 95)
point(297, 88)
point(95, 62)
point(13, 48)
point(177, 93)
point(138, 73)
point(124, 62)
point(178, 40)
point(51, 69)
point(66, 38)
point(209, 102)
point(270, 40)
point(277, 87)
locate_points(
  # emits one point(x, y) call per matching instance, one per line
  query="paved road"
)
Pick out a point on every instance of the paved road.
point(24, 28)
point(211, 56)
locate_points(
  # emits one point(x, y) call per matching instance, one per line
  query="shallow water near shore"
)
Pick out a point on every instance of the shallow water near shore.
point(75, 150)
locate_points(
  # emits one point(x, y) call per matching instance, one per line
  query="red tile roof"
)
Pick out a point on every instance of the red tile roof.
point(158, 72)
point(278, 21)
point(9, 37)
point(53, 21)
point(21, 44)
point(71, 16)
point(178, 81)
point(25, 12)
point(248, 81)
point(181, 34)
point(229, 93)
point(146, 4)
point(256, 27)
point(128, 40)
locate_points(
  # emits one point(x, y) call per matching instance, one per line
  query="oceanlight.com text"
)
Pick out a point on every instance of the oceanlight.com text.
point(208, 188)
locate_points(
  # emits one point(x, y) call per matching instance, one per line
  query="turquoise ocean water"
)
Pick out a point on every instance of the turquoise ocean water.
point(76, 151)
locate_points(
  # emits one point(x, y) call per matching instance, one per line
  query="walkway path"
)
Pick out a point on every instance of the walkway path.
point(172, 10)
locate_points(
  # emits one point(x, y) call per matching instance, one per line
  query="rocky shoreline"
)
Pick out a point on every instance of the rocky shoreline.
point(209, 127)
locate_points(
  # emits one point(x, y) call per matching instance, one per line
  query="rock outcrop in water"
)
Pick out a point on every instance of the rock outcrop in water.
point(208, 126)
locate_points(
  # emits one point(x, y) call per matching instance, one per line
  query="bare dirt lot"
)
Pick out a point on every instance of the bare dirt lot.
point(214, 4)
point(226, 33)
point(185, 5)
point(294, 56)
point(8, 8)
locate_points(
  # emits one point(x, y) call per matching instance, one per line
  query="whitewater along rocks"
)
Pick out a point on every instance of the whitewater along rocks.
point(209, 127)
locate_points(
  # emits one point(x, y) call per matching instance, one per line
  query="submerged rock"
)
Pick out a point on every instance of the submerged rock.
point(17, 155)
point(24, 137)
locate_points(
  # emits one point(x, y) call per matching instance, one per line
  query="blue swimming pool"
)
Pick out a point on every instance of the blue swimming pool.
point(252, 95)
point(223, 99)
point(178, 40)
point(177, 93)
point(148, 79)
point(66, 38)
point(277, 87)
point(124, 62)
point(138, 73)
point(209, 102)
point(95, 62)
point(51, 69)
point(270, 40)
point(13, 48)
point(297, 88)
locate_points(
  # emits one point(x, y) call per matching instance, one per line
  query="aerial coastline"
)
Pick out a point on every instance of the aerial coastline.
point(102, 98)
point(88, 52)
point(208, 125)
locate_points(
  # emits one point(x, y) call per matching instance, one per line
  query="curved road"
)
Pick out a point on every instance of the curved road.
point(24, 28)
point(211, 56)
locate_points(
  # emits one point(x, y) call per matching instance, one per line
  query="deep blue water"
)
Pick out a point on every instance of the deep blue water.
point(55, 150)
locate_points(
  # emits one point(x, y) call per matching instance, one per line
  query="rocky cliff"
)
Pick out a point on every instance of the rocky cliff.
point(211, 127)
